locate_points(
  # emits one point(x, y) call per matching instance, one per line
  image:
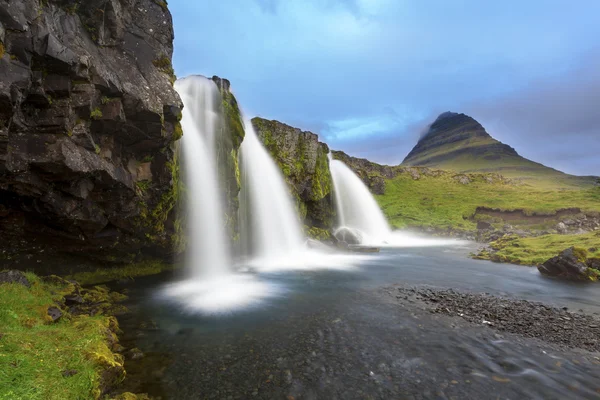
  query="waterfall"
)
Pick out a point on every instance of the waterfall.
point(207, 253)
point(356, 207)
point(270, 221)
point(211, 287)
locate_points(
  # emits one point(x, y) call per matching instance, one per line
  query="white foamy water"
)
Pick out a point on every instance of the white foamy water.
point(355, 205)
point(221, 295)
point(358, 210)
point(207, 252)
point(271, 224)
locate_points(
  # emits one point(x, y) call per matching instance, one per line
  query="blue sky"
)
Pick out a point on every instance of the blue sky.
point(369, 75)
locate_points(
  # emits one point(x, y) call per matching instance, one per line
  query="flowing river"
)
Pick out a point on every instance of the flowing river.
point(338, 334)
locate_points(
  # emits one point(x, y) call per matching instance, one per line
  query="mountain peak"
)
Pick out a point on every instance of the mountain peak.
point(457, 142)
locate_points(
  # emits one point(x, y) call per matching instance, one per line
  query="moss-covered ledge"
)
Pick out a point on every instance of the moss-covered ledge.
point(57, 339)
point(305, 166)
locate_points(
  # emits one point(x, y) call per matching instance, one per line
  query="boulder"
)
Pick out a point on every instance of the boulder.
point(561, 228)
point(348, 236)
point(14, 277)
point(483, 225)
point(570, 264)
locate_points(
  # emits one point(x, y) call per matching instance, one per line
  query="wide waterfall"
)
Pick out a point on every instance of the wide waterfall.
point(355, 205)
point(211, 285)
point(270, 222)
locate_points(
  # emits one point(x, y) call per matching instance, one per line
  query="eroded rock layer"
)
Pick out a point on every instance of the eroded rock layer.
point(303, 161)
point(88, 124)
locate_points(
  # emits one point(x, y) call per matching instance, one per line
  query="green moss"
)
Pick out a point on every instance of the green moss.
point(178, 132)
point(34, 352)
point(153, 221)
point(441, 202)
point(321, 183)
point(97, 149)
point(580, 253)
point(537, 250)
point(317, 233)
point(593, 274)
point(163, 63)
point(163, 4)
point(96, 113)
point(233, 117)
point(129, 271)
point(143, 185)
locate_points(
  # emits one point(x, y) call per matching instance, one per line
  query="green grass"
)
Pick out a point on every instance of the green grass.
point(442, 202)
point(34, 352)
point(536, 250)
point(130, 271)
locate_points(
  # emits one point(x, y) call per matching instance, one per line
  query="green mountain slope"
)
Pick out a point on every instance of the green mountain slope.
point(459, 143)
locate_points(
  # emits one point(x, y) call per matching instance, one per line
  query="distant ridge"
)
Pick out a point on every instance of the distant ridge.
point(459, 143)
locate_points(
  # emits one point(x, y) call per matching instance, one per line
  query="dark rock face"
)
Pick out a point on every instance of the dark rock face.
point(567, 265)
point(14, 277)
point(303, 161)
point(88, 120)
point(372, 174)
point(227, 146)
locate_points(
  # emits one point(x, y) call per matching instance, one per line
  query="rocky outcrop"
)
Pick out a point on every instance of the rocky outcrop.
point(571, 264)
point(88, 122)
point(227, 146)
point(375, 175)
point(303, 161)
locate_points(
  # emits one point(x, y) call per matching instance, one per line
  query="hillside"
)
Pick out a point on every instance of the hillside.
point(459, 143)
point(485, 206)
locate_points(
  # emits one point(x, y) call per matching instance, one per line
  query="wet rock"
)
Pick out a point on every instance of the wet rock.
point(348, 236)
point(561, 228)
point(483, 225)
point(14, 277)
point(73, 299)
point(135, 354)
point(526, 318)
point(567, 265)
point(82, 95)
point(55, 313)
point(303, 160)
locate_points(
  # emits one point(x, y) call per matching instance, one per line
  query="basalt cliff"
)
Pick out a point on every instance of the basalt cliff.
point(88, 129)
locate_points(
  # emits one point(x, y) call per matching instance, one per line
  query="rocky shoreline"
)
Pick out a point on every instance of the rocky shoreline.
point(521, 317)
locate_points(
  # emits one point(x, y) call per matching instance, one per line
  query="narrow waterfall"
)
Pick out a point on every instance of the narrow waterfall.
point(270, 221)
point(207, 253)
point(355, 205)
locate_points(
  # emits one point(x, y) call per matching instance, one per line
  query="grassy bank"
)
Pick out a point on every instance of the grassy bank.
point(443, 202)
point(536, 250)
point(71, 358)
point(129, 271)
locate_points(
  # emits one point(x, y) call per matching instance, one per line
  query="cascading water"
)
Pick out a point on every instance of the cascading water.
point(356, 207)
point(211, 287)
point(360, 214)
point(271, 222)
point(207, 254)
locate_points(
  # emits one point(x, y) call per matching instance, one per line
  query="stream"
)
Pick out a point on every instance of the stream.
point(336, 334)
